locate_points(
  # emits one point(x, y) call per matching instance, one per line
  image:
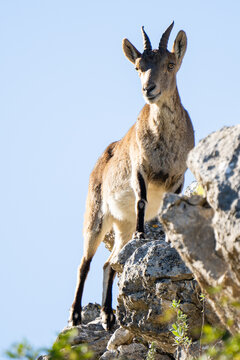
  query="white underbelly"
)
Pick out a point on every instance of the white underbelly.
point(154, 197)
point(121, 205)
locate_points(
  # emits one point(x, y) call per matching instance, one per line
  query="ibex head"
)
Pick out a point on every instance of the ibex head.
point(157, 68)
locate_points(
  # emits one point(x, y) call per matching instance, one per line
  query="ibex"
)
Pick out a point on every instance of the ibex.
point(128, 181)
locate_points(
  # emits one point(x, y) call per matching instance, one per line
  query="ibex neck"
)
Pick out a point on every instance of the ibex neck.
point(168, 109)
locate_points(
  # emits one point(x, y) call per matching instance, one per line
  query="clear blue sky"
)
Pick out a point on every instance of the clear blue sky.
point(66, 92)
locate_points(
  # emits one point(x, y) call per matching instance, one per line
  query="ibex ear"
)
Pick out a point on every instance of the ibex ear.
point(130, 51)
point(180, 46)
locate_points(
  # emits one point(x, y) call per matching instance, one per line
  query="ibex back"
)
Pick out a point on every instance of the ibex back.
point(128, 181)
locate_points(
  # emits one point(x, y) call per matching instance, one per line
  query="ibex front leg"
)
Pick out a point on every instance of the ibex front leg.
point(141, 201)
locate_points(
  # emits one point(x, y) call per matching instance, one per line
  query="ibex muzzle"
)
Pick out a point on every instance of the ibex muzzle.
point(128, 181)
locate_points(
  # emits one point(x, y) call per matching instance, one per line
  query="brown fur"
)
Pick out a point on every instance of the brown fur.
point(154, 150)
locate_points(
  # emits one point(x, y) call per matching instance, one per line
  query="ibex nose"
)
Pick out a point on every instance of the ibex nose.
point(149, 88)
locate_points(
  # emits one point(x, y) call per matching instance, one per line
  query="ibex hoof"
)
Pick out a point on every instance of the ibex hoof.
point(138, 235)
point(108, 320)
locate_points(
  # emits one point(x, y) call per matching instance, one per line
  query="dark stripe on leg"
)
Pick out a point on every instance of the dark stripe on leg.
point(140, 216)
point(141, 204)
point(143, 191)
point(108, 317)
point(107, 296)
point(77, 303)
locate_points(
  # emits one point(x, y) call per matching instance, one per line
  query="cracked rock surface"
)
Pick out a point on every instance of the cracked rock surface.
point(152, 276)
point(206, 233)
point(204, 250)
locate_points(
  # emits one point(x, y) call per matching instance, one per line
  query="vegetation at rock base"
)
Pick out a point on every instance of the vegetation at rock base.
point(60, 350)
point(22, 350)
point(151, 352)
point(222, 346)
point(228, 349)
point(180, 327)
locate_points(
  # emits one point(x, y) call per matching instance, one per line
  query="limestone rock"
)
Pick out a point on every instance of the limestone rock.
point(133, 351)
point(109, 240)
point(153, 275)
point(92, 334)
point(153, 231)
point(120, 337)
point(109, 355)
point(216, 164)
point(192, 353)
point(206, 233)
point(90, 312)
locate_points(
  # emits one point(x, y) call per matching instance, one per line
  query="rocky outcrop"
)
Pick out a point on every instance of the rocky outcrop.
point(203, 256)
point(206, 233)
point(91, 331)
point(119, 343)
point(152, 276)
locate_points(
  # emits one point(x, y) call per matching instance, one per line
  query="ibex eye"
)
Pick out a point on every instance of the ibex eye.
point(137, 68)
point(171, 66)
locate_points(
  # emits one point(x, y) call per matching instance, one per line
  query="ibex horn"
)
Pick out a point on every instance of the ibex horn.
point(165, 36)
point(146, 42)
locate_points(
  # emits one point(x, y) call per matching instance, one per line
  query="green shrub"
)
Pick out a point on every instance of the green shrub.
point(180, 327)
point(60, 350)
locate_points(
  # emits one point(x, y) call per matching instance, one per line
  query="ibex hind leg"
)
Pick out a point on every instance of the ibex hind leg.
point(75, 313)
point(123, 231)
point(92, 240)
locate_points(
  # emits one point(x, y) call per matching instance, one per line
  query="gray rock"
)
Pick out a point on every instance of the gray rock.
point(134, 351)
point(153, 275)
point(92, 334)
point(194, 351)
point(109, 355)
point(120, 337)
point(207, 232)
point(90, 312)
point(153, 231)
point(109, 240)
point(216, 164)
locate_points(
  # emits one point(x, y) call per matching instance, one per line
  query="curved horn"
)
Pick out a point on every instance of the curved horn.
point(146, 42)
point(165, 36)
